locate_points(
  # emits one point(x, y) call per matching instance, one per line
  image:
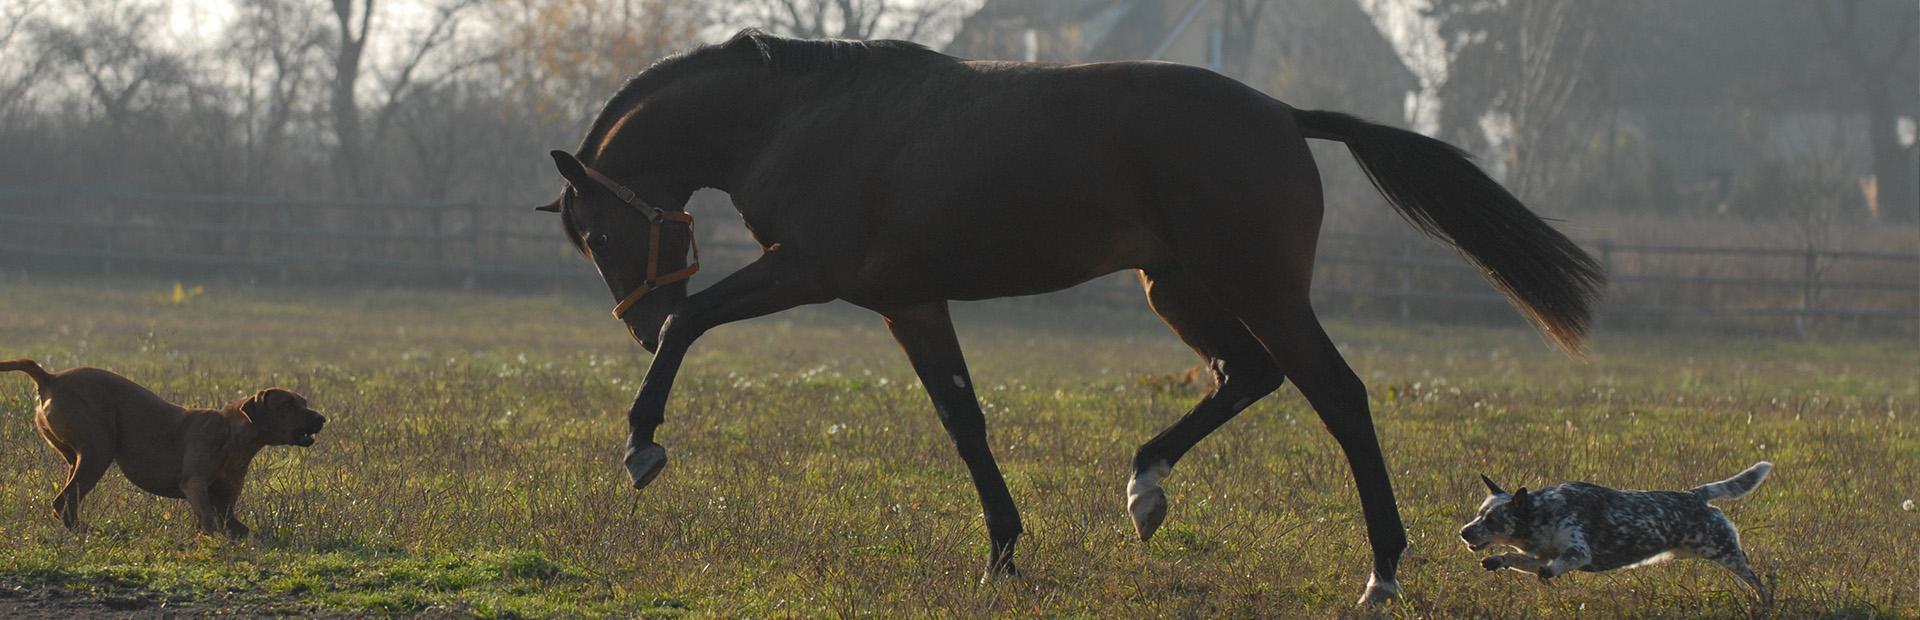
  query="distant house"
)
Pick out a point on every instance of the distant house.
point(1309, 53)
point(1744, 85)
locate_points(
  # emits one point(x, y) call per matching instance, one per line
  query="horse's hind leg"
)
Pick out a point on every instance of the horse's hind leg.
point(1248, 228)
point(1242, 372)
point(1265, 284)
point(1285, 323)
point(926, 333)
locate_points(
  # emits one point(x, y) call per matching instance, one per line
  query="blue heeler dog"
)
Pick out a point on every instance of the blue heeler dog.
point(1580, 526)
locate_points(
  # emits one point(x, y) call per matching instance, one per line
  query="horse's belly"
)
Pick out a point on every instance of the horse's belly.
point(985, 269)
point(962, 286)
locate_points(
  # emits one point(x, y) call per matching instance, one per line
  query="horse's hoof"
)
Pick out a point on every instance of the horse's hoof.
point(1146, 502)
point(644, 463)
point(1379, 592)
point(998, 571)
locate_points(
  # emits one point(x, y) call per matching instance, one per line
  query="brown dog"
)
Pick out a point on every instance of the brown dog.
point(95, 418)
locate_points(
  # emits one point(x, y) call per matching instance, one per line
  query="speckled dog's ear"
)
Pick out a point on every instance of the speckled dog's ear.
point(1522, 502)
point(1491, 487)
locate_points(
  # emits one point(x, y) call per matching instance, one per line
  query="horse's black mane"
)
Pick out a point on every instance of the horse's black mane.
point(780, 54)
point(802, 55)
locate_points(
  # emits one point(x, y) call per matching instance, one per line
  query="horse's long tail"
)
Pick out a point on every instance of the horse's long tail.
point(39, 375)
point(1434, 186)
point(1736, 487)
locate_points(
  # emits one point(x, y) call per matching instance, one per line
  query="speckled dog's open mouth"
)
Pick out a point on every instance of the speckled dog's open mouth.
point(1478, 547)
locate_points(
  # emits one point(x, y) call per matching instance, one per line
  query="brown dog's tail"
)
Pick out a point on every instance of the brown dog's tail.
point(33, 369)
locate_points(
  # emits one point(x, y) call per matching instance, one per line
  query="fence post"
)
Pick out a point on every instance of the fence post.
point(1406, 275)
point(473, 246)
point(1606, 267)
point(285, 239)
point(1809, 276)
point(106, 243)
point(439, 244)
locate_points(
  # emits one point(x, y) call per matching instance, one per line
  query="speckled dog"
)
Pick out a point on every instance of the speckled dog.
point(1580, 526)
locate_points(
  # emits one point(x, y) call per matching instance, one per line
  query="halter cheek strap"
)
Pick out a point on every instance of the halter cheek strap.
point(656, 219)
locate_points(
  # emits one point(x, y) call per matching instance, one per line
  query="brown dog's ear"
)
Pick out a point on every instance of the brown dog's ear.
point(254, 405)
point(551, 207)
point(262, 400)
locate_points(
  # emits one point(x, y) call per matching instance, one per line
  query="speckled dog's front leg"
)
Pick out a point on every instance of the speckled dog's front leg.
point(1513, 561)
point(1570, 559)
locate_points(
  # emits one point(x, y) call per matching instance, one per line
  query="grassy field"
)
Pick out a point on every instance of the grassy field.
point(472, 465)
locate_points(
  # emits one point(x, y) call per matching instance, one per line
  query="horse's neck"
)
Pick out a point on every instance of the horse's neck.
point(728, 125)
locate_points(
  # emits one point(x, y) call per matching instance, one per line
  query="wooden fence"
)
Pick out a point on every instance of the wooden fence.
point(1399, 274)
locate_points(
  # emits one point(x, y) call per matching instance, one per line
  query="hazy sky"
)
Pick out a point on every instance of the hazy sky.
point(192, 21)
point(195, 23)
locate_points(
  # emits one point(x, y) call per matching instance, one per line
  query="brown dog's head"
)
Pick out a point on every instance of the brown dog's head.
point(282, 417)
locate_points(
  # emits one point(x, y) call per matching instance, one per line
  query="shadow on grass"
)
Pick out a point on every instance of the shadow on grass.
point(338, 575)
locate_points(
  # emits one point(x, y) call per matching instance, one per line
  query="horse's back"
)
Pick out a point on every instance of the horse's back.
point(1065, 172)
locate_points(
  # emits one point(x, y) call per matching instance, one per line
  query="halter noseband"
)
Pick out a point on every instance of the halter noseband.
point(656, 217)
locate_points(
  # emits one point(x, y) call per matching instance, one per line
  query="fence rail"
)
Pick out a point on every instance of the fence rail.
point(90, 230)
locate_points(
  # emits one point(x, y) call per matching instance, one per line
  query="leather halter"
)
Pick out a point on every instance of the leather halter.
point(656, 218)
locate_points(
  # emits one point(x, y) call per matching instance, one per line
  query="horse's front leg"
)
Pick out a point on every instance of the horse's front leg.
point(776, 282)
point(926, 332)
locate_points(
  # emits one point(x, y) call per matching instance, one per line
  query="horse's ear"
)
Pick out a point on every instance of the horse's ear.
point(1491, 487)
point(551, 207)
point(571, 169)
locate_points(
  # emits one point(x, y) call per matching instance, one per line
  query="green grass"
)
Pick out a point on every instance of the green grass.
point(472, 465)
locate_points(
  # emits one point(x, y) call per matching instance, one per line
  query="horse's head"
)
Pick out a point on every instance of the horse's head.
point(641, 250)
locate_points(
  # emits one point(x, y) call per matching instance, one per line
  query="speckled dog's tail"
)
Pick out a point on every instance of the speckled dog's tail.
point(1736, 487)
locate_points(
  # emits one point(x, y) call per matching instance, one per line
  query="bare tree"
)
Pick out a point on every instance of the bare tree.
point(563, 58)
point(1239, 30)
point(848, 19)
point(277, 44)
point(1534, 72)
point(16, 78)
point(111, 54)
point(1879, 56)
point(410, 73)
point(1553, 41)
point(347, 51)
point(437, 131)
point(353, 27)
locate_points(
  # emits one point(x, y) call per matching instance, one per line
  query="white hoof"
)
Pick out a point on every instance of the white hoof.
point(1379, 592)
point(1146, 502)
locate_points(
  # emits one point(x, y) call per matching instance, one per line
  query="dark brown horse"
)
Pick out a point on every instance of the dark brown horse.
point(897, 179)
